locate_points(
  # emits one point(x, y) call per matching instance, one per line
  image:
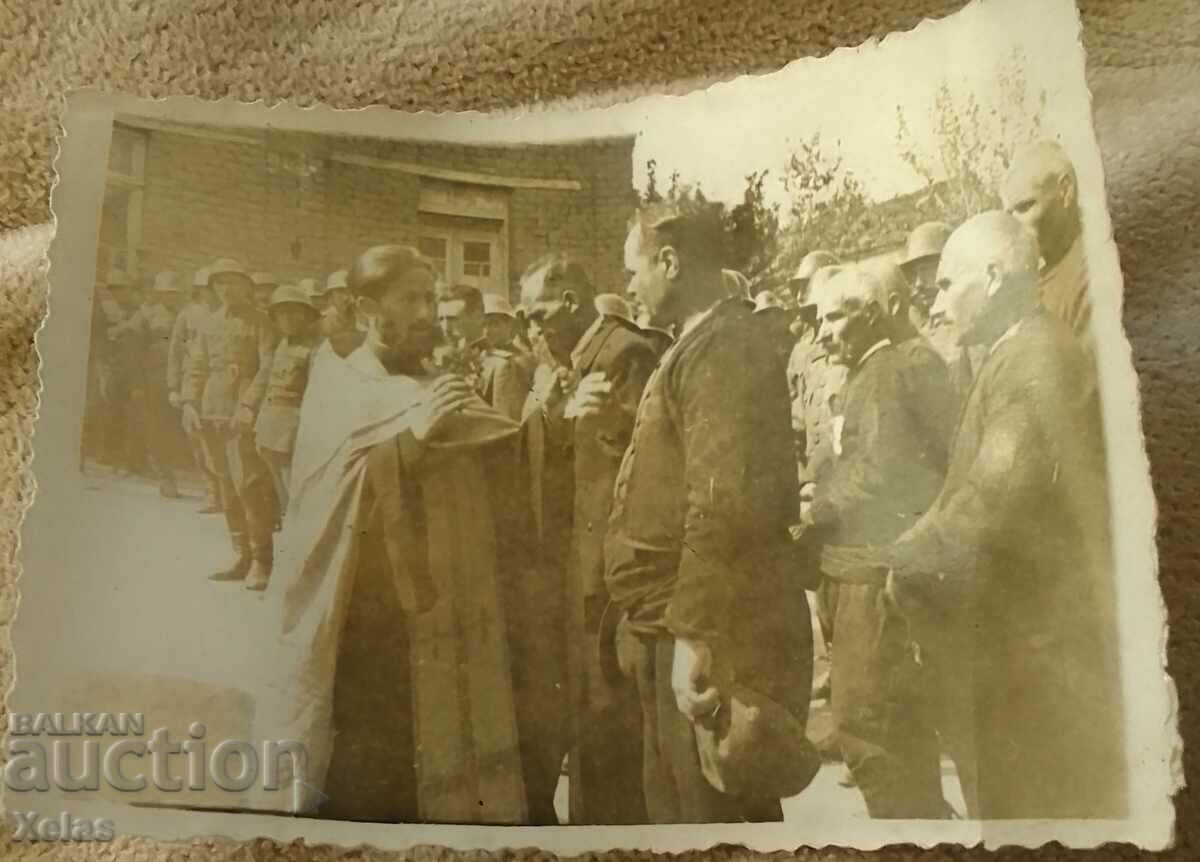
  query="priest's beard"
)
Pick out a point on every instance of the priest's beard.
point(402, 352)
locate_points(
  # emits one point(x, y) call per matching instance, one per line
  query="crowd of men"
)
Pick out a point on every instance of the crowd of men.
point(658, 487)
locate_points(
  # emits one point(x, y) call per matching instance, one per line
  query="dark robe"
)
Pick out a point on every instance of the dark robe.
point(899, 413)
point(1008, 581)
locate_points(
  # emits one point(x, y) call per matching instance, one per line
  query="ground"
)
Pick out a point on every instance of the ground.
point(145, 631)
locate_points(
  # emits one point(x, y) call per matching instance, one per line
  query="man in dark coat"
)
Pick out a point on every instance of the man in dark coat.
point(1008, 577)
point(894, 433)
point(584, 434)
point(613, 361)
point(698, 555)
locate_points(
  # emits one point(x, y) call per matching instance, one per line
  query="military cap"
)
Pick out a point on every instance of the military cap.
point(813, 261)
point(494, 303)
point(926, 240)
point(338, 280)
point(261, 278)
point(753, 747)
point(765, 300)
point(291, 294)
point(312, 287)
point(166, 282)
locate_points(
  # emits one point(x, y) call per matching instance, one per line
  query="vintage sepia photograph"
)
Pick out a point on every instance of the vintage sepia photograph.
point(760, 465)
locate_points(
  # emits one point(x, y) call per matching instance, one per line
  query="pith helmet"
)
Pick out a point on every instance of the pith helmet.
point(166, 282)
point(200, 279)
point(226, 266)
point(926, 240)
point(291, 294)
point(494, 303)
point(337, 281)
point(813, 261)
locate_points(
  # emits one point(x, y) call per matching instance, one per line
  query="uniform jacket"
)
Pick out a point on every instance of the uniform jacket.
point(1009, 576)
point(179, 350)
point(277, 397)
point(230, 351)
point(818, 386)
point(149, 329)
point(127, 341)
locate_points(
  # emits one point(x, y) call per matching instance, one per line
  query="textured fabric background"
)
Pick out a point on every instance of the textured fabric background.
point(1144, 69)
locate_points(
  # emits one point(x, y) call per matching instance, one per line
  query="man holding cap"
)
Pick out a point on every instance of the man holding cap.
point(233, 347)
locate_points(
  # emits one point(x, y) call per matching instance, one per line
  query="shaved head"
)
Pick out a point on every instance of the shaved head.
point(987, 278)
point(1040, 190)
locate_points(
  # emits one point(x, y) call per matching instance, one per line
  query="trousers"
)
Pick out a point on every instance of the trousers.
point(675, 788)
point(247, 494)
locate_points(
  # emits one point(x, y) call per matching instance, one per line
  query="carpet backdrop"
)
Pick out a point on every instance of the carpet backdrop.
point(1144, 69)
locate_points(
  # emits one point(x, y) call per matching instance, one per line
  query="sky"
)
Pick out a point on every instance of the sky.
point(719, 135)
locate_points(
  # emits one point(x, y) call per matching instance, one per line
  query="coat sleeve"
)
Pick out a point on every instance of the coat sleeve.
point(257, 390)
point(197, 369)
point(176, 348)
point(628, 373)
point(1010, 467)
point(510, 388)
point(732, 410)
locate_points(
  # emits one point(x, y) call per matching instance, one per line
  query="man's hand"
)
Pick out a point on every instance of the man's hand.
point(692, 679)
point(243, 420)
point(447, 396)
point(190, 420)
point(589, 397)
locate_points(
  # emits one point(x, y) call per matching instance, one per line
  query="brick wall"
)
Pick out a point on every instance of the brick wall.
point(209, 198)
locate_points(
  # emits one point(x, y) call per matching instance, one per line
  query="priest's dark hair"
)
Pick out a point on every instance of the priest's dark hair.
point(381, 265)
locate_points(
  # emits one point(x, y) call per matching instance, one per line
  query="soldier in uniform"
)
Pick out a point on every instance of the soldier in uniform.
point(922, 253)
point(233, 347)
point(279, 414)
point(153, 325)
point(339, 320)
point(264, 287)
point(202, 302)
point(126, 379)
point(506, 375)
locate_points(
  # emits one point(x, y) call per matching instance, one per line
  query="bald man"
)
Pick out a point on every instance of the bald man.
point(1040, 191)
point(899, 411)
point(1007, 579)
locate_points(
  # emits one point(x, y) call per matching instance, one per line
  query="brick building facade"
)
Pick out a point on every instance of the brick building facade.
point(303, 205)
